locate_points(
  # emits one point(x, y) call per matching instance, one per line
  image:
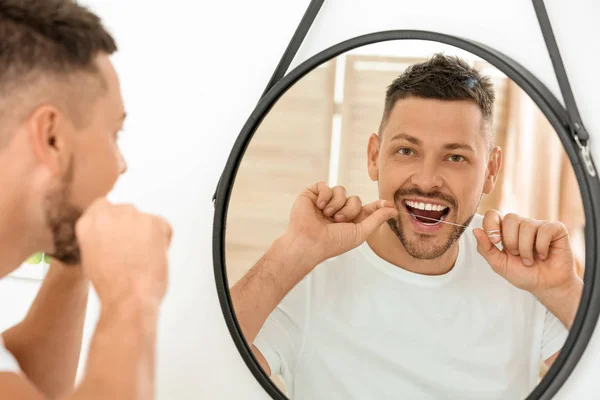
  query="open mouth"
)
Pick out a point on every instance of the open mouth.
point(427, 213)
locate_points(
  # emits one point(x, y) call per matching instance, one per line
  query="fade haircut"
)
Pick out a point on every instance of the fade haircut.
point(444, 78)
point(47, 55)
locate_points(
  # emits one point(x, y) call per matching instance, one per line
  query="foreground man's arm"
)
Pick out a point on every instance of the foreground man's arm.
point(47, 343)
point(536, 257)
point(311, 238)
point(124, 256)
point(120, 362)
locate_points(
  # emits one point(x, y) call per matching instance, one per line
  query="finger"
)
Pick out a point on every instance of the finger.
point(338, 200)
point(168, 232)
point(162, 225)
point(126, 208)
point(528, 229)
point(370, 208)
point(98, 204)
point(323, 193)
point(81, 226)
point(549, 233)
point(510, 233)
point(494, 257)
point(92, 212)
point(102, 201)
point(377, 218)
point(491, 224)
point(350, 211)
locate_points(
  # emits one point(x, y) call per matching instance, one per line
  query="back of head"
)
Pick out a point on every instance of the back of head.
point(45, 46)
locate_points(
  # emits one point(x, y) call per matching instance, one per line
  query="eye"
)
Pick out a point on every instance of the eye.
point(405, 151)
point(456, 158)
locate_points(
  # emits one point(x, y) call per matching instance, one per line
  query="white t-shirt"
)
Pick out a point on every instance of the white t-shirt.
point(358, 327)
point(8, 363)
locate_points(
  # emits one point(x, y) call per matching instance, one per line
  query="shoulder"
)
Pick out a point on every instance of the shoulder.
point(327, 275)
point(13, 384)
point(474, 262)
point(341, 264)
point(467, 239)
point(8, 363)
point(476, 222)
point(338, 275)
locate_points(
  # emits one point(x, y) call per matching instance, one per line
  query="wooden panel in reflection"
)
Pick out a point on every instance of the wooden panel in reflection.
point(289, 151)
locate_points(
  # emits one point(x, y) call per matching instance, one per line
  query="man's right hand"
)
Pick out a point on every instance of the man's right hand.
point(124, 252)
point(325, 222)
point(124, 255)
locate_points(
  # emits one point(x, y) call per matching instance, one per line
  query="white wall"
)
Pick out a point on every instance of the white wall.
point(192, 73)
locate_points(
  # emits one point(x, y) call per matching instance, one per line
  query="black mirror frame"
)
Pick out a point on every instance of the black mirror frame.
point(566, 123)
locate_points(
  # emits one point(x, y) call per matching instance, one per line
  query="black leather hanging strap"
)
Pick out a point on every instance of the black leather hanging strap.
point(290, 52)
point(580, 134)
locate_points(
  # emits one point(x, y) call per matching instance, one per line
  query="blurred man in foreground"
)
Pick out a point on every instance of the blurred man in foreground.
point(60, 114)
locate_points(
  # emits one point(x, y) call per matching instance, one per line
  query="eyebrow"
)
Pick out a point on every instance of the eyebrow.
point(417, 142)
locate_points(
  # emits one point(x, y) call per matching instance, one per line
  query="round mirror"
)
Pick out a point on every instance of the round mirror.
point(404, 223)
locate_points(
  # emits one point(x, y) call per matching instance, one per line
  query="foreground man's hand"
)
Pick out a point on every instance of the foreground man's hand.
point(536, 257)
point(124, 253)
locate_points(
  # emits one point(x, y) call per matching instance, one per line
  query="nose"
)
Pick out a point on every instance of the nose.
point(427, 177)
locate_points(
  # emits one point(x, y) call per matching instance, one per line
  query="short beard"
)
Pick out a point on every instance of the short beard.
point(422, 248)
point(61, 217)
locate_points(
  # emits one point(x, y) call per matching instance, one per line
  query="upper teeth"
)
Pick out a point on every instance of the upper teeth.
point(425, 206)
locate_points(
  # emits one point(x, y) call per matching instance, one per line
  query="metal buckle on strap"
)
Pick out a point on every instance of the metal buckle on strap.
point(587, 157)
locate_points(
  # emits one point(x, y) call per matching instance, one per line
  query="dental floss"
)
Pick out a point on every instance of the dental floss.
point(491, 233)
point(433, 219)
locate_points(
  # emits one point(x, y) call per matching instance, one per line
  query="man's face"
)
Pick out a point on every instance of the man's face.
point(94, 165)
point(432, 161)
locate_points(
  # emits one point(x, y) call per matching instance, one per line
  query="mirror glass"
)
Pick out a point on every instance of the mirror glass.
point(396, 294)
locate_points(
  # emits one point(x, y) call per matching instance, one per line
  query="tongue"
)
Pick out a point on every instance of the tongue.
point(427, 215)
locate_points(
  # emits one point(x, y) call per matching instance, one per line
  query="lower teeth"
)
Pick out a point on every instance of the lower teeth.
point(433, 222)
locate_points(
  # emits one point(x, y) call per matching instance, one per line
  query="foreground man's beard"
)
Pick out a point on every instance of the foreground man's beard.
point(424, 247)
point(61, 217)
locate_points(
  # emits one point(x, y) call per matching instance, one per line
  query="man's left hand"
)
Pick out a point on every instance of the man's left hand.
point(536, 254)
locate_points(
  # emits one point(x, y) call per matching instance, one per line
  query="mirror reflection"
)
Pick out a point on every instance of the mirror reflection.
point(405, 223)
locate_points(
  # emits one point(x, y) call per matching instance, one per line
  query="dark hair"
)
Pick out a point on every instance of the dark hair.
point(49, 35)
point(442, 78)
point(42, 39)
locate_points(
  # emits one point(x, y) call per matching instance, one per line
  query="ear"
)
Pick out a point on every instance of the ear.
point(373, 157)
point(493, 169)
point(48, 130)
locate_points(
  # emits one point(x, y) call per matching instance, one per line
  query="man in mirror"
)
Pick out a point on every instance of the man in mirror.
point(60, 114)
point(416, 295)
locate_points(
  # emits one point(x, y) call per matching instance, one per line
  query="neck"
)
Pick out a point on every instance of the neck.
point(18, 235)
point(15, 240)
point(387, 246)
